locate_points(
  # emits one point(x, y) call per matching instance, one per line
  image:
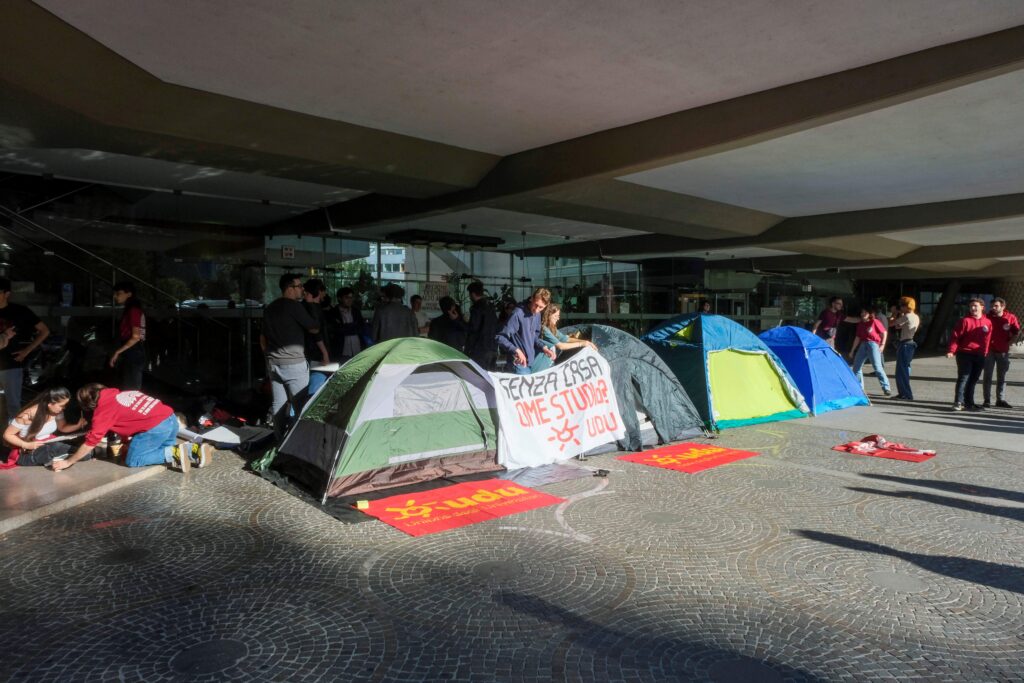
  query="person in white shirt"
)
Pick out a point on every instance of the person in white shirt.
point(906, 322)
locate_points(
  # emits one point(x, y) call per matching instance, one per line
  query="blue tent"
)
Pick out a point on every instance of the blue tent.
point(820, 373)
point(730, 375)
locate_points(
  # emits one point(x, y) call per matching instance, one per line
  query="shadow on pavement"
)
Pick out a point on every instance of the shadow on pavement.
point(1015, 514)
point(994, 574)
point(953, 486)
point(644, 650)
point(977, 423)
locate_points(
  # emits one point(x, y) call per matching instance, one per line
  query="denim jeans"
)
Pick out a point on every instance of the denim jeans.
point(289, 386)
point(11, 380)
point(46, 453)
point(1000, 362)
point(968, 370)
point(522, 369)
point(904, 356)
point(153, 447)
point(864, 351)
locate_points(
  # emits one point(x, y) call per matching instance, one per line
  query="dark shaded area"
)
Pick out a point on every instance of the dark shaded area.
point(1016, 514)
point(653, 651)
point(955, 487)
point(993, 574)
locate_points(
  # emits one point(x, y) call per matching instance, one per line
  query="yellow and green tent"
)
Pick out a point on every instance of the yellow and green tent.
point(731, 376)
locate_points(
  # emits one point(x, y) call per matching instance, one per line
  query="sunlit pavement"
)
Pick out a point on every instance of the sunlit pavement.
point(800, 564)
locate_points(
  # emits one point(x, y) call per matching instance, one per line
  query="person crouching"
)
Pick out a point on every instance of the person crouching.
point(152, 424)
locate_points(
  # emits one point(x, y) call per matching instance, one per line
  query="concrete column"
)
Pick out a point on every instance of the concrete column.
point(1013, 291)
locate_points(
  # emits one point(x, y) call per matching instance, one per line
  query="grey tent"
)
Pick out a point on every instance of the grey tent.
point(643, 384)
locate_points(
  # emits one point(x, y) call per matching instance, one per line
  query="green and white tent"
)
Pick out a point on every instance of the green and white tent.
point(403, 411)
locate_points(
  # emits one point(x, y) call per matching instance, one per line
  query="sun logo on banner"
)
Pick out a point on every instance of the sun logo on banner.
point(564, 435)
point(411, 509)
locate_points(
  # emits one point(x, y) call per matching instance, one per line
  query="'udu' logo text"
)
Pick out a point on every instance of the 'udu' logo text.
point(425, 510)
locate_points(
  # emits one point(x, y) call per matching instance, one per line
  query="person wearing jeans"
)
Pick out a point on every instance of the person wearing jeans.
point(24, 332)
point(1005, 328)
point(153, 426)
point(871, 336)
point(906, 322)
point(969, 344)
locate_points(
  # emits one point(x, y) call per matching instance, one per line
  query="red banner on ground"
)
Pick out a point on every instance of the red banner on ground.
point(878, 447)
point(688, 457)
point(428, 512)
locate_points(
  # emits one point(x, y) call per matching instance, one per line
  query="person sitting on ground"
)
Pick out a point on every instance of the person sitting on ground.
point(969, 344)
point(152, 425)
point(553, 339)
point(905, 321)
point(449, 327)
point(1005, 328)
point(39, 421)
point(520, 337)
point(393, 320)
point(871, 336)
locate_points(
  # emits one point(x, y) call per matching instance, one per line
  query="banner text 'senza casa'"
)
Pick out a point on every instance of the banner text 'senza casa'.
point(558, 413)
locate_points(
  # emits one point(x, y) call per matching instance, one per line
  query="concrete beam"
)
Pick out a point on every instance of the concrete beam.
point(789, 233)
point(100, 100)
point(714, 128)
point(921, 257)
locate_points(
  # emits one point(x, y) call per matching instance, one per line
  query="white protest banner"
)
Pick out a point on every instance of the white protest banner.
point(557, 413)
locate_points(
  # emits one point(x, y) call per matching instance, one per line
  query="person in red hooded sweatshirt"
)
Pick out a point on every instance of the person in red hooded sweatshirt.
point(1005, 328)
point(152, 424)
point(969, 343)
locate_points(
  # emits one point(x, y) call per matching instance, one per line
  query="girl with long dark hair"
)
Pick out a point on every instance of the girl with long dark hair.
point(37, 423)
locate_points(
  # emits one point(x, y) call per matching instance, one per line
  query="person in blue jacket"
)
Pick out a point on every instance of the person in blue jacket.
point(555, 340)
point(520, 336)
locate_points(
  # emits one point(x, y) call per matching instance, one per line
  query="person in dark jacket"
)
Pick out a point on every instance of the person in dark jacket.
point(483, 325)
point(349, 323)
point(449, 328)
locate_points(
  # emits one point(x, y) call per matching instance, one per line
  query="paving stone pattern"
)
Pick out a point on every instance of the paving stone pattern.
point(802, 564)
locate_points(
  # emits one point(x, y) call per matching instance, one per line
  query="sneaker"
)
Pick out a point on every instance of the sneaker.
point(986, 404)
point(200, 455)
point(1002, 404)
point(958, 407)
point(975, 408)
point(886, 392)
point(180, 459)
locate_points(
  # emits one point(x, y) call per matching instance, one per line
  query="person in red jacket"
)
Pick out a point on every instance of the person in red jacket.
point(870, 341)
point(969, 343)
point(153, 426)
point(1005, 328)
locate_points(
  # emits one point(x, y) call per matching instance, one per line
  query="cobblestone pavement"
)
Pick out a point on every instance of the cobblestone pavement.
point(799, 565)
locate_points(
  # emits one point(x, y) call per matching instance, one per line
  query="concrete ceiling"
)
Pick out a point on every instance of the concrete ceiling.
point(962, 143)
point(503, 77)
point(875, 136)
